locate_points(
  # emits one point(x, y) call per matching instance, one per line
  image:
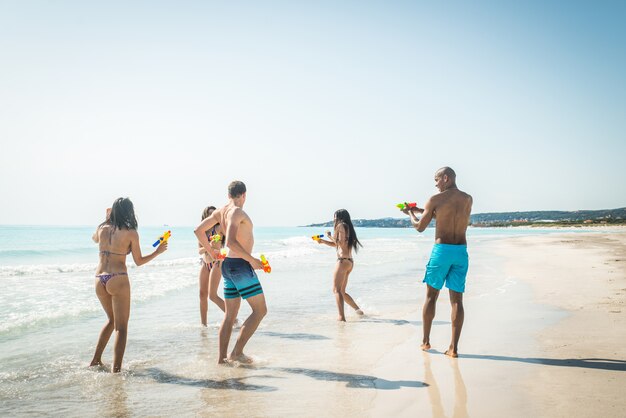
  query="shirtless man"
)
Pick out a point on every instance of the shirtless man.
point(240, 280)
point(448, 260)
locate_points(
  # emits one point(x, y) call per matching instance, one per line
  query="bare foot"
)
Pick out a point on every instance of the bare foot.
point(425, 346)
point(241, 358)
point(359, 312)
point(341, 319)
point(450, 352)
point(96, 363)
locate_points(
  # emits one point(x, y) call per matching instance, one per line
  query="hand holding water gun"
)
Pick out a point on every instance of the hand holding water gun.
point(163, 238)
point(405, 205)
point(266, 264)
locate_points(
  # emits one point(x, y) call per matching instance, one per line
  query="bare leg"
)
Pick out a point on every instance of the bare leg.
point(107, 330)
point(204, 293)
point(346, 297)
point(339, 277)
point(458, 315)
point(214, 282)
point(259, 310)
point(428, 314)
point(232, 309)
point(119, 289)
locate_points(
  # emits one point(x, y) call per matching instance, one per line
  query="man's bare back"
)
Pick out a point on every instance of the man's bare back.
point(240, 280)
point(451, 209)
point(448, 262)
point(236, 220)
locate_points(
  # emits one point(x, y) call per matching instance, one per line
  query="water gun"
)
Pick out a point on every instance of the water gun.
point(266, 264)
point(163, 238)
point(403, 206)
point(222, 254)
point(215, 238)
point(317, 237)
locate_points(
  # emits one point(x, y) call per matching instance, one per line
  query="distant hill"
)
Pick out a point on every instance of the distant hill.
point(507, 218)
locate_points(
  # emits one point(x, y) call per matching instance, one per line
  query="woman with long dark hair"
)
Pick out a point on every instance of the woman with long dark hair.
point(211, 270)
point(344, 240)
point(117, 237)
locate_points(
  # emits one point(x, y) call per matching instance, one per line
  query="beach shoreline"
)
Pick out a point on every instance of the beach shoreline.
point(537, 364)
point(520, 332)
point(585, 361)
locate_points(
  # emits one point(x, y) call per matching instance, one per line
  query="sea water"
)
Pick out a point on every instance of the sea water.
point(50, 319)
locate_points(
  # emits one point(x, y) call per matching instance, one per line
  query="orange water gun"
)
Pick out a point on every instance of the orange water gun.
point(222, 254)
point(163, 238)
point(266, 264)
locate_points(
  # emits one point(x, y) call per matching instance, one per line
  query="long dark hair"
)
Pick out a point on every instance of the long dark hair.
point(122, 214)
point(206, 212)
point(343, 217)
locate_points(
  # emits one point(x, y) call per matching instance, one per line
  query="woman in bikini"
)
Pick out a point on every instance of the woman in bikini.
point(211, 269)
point(344, 240)
point(117, 237)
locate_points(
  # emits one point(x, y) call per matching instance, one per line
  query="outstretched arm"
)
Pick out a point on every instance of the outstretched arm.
point(329, 243)
point(420, 224)
point(135, 250)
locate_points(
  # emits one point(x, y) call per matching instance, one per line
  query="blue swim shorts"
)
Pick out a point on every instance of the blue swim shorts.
point(448, 264)
point(240, 280)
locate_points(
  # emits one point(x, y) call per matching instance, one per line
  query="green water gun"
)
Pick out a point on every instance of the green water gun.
point(405, 205)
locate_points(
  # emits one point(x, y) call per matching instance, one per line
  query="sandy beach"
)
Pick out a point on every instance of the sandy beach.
point(544, 318)
point(558, 354)
point(584, 358)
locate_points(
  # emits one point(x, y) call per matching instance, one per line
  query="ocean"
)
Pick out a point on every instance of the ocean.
point(50, 319)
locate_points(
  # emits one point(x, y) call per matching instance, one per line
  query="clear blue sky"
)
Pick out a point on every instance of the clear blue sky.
point(316, 106)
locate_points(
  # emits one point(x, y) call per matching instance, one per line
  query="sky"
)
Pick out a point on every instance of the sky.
point(316, 106)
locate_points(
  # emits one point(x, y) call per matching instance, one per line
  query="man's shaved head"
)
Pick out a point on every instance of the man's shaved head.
point(446, 171)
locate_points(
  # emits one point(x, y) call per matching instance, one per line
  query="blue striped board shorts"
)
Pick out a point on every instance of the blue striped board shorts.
point(240, 279)
point(448, 264)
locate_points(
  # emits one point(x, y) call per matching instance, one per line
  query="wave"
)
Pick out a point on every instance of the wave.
point(55, 305)
point(45, 269)
point(10, 254)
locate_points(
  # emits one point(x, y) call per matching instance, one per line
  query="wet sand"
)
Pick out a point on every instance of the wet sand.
point(536, 308)
point(548, 343)
point(584, 356)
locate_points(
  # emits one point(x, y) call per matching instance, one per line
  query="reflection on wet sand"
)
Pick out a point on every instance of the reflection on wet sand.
point(117, 399)
point(460, 391)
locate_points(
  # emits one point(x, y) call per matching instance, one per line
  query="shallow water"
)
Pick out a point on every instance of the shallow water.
point(305, 361)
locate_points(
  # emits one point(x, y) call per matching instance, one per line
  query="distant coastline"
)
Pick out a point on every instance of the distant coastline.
point(506, 219)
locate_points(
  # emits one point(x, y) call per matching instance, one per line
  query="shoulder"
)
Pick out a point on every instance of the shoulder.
point(341, 227)
point(434, 199)
point(235, 214)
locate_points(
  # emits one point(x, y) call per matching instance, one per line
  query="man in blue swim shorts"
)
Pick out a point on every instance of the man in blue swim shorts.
point(240, 280)
point(448, 261)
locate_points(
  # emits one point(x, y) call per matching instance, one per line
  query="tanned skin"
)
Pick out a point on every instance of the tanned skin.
point(452, 208)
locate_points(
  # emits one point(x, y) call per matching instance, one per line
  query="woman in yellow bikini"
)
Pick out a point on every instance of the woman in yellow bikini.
point(344, 240)
point(211, 269)
point(117, 237)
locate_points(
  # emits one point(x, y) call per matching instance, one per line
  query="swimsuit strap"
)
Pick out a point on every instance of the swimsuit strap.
point(107, 253)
